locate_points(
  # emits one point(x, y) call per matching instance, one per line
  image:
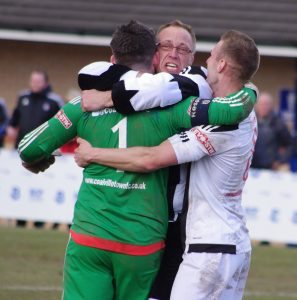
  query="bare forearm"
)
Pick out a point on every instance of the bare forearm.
point(135, 159)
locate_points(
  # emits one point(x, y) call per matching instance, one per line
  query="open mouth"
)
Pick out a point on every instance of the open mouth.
point(171, 66)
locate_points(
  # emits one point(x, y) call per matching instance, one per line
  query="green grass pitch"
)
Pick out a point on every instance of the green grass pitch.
point(31, 266)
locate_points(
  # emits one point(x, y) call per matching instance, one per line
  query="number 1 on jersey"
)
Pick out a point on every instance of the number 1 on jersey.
point(121, 127)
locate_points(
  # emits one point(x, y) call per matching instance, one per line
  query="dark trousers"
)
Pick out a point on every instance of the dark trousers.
point(170, 262)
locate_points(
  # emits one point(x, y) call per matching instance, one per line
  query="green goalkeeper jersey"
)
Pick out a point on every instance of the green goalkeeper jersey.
point(129, 208)
point(119, 211)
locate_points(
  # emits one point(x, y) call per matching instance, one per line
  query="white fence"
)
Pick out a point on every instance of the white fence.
point(48, 196)
point(269, 198)
point(270, 201)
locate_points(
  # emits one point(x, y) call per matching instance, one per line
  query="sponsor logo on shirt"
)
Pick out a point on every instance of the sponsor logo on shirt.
point(46, 107)
point(25, 101)
point(104, 111)
point(61, 116)
point(115, 184)
point(203, 139)
point(194, 107)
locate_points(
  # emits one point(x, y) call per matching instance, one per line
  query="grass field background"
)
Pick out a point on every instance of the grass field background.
point(31, 266)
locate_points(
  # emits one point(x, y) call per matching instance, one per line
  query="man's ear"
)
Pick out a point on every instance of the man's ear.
point(221, 65)
point(156, 60)
point(191, 60)
point(112, 59)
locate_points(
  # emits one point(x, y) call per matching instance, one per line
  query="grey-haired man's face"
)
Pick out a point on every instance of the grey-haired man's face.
point(171, 60)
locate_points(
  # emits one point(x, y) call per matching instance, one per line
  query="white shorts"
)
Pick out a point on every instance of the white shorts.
point(211, 276)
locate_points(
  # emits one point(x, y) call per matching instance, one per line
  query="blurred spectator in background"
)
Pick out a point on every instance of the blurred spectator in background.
point(3, 120)
point(273, 147)
point(34, 107)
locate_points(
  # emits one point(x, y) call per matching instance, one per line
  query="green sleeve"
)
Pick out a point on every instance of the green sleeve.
point(42, 141)
point(228, 110)
point(232, 109)
point(180, 115)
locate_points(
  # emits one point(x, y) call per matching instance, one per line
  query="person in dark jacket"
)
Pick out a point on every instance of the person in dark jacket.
point(273, 147)
point(34, 107)
point(3, 121)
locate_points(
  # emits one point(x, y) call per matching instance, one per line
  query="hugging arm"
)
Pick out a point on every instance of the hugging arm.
point(132, 92)
point(135, 93)
point(134, 159)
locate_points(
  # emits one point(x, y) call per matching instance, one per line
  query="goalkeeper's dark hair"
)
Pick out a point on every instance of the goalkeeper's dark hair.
point(133, 44)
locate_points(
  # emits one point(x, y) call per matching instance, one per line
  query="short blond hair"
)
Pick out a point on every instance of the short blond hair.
point(243, 51)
